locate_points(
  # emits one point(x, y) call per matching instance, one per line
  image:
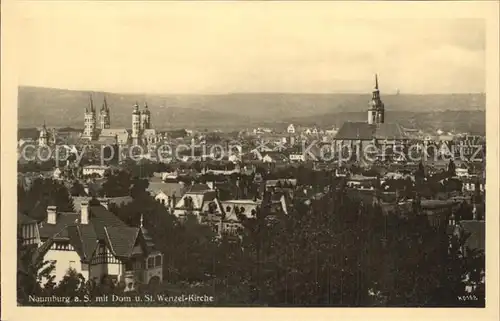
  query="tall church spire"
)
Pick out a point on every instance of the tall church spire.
point(376, 113)
point(104, 104)
point(91, 103)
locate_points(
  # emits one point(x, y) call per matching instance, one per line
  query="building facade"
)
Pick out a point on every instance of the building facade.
point(96, 243)
point(100, 131)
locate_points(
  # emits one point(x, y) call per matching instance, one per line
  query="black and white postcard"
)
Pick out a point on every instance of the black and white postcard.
point(249, 155)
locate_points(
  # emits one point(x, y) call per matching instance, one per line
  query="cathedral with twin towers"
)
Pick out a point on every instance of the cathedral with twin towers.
point(99, 130)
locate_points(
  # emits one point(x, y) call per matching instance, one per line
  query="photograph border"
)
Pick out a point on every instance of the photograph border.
point(488, 10)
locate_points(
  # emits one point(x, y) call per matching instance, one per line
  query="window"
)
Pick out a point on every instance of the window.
point(128, 266)
point(158, 260)
point(151, 262)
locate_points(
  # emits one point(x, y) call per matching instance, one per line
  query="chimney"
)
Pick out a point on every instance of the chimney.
point(51, 214)
point(85, 212)
point(105, 202)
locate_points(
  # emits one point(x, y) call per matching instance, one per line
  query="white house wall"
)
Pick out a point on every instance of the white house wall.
point(64, 259)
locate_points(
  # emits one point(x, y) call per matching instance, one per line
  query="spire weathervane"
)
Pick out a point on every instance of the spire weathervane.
point(376, 82)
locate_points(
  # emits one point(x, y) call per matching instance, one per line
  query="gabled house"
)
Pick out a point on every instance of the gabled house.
point(273, 157)
point(166, 192)
point(28, 230)
point(198, 200)
point(96, 243)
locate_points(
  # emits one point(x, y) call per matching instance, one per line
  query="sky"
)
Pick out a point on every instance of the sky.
point(224, 47)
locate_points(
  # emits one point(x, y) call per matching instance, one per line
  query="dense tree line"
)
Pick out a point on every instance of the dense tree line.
point(42, 193)
point(332, 251)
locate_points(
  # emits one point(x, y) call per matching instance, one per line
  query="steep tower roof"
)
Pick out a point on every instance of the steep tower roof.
point(105, 105)
point(146, 110)
point(376, 102)
point(43, 131)
point(136, 108)
point(91, 104)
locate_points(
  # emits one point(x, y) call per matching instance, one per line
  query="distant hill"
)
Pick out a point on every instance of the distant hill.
point(61, 108)
point(473, 121)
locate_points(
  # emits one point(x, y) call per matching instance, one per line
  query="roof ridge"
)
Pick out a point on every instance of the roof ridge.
point(137, 231)
point(109, 240)
point(81, 240)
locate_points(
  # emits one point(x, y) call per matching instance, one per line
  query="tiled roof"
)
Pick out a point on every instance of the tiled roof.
point(118, 201)
point(169, 189)
point(389, 131)
point(103, 226)
point(112, 133)
point(355, 131)
point(121, 239)
point(23, 219)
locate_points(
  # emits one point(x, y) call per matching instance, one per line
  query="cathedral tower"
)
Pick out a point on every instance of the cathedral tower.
point(43, 139)
point(136, 124)
point(90, 121)
point(145, 118)
point(105, 118)
point(376, 106)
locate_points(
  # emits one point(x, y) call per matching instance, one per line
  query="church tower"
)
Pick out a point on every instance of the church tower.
point(43, 139)
point(136, 124)
point(90, 121)
point(145, 118)
point(376, 106)
point(105, 119)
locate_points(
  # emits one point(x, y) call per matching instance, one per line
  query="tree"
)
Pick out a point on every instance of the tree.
point(451, 169)
point(34, 276)
point(42, 193)
point(72, 285)
point(77, 189)
point(116, 185)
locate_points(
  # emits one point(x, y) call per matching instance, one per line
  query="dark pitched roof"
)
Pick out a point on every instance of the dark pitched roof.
point(389, 131)
point(167, 188)
point(355, 130)
point(103, 226)
point(23, 219)
point(118, 201)
point(121, 240)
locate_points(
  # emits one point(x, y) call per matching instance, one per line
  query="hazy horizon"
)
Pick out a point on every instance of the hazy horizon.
point(368, 92)
point(224, 48)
